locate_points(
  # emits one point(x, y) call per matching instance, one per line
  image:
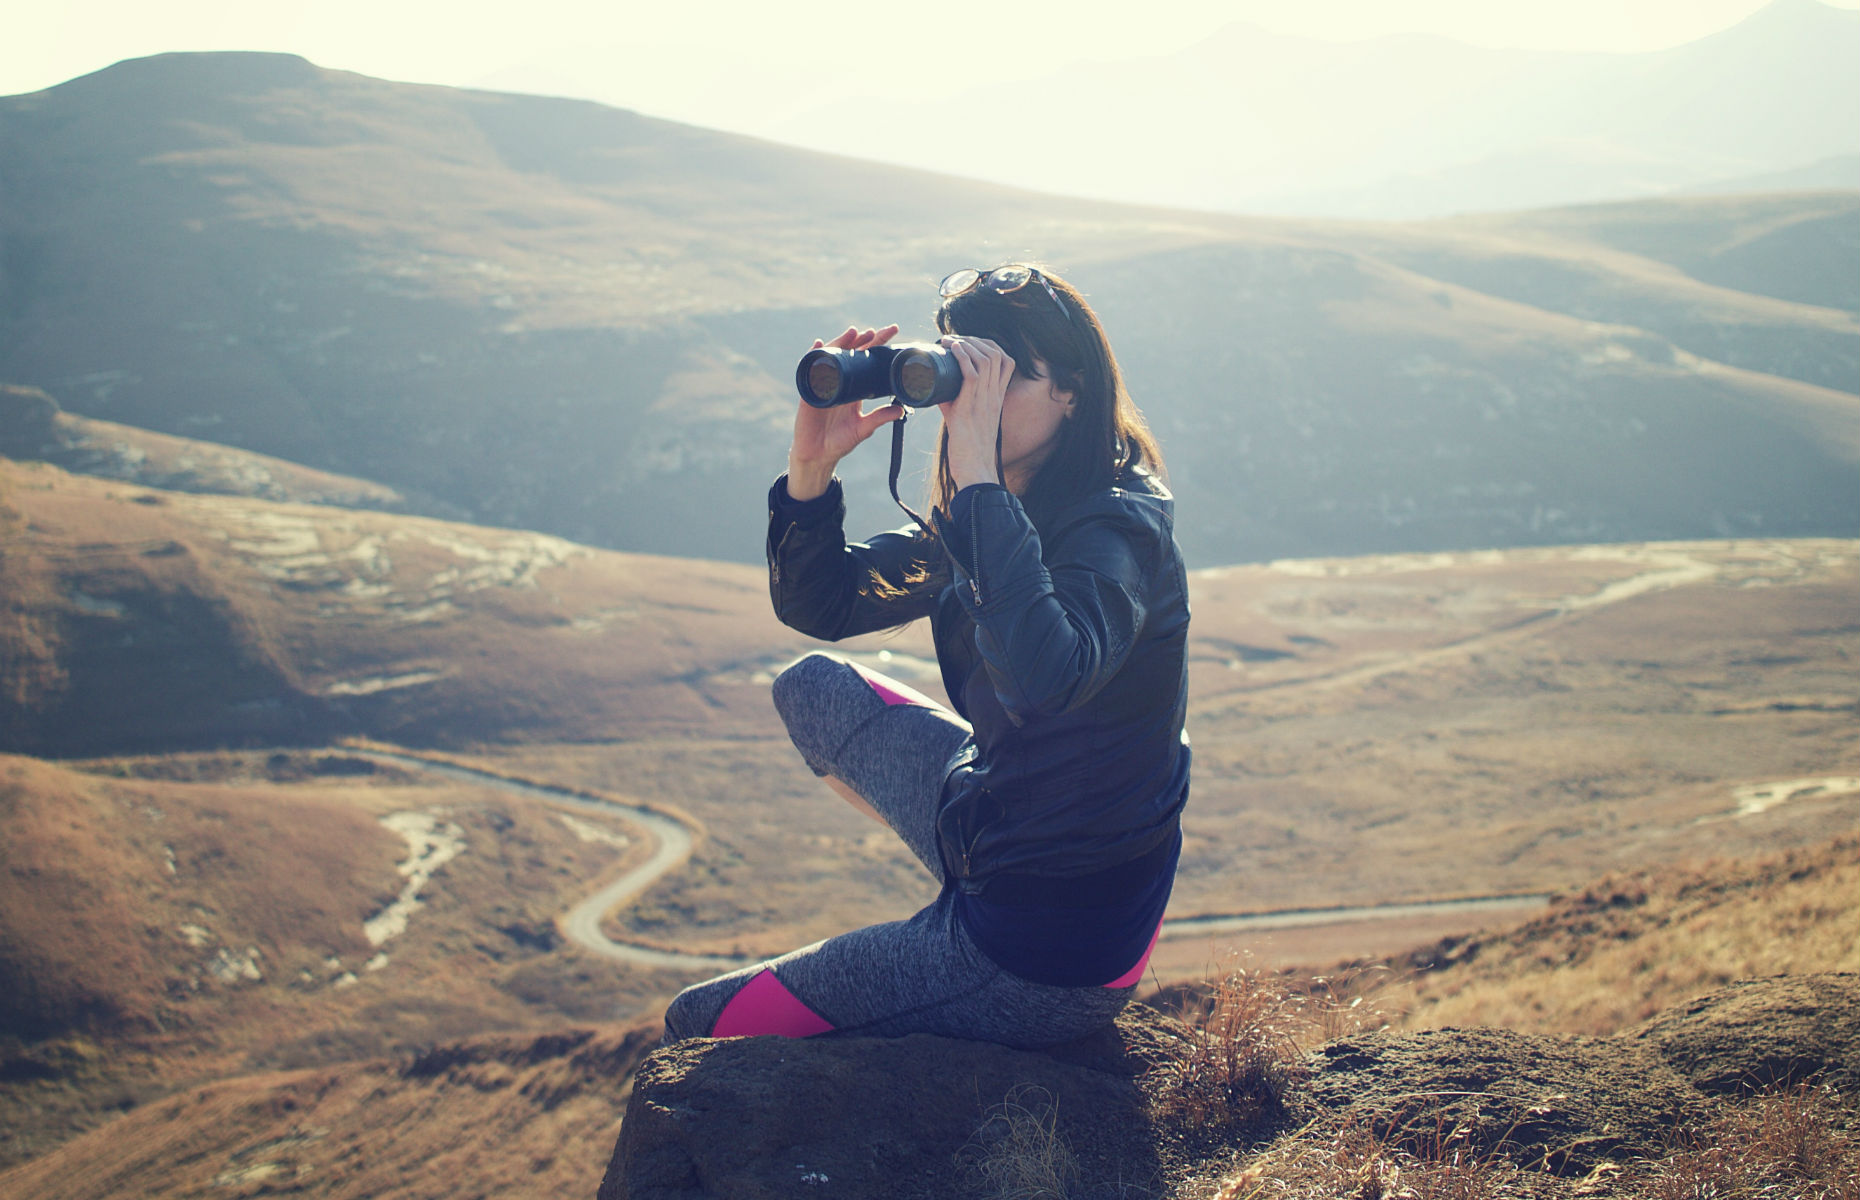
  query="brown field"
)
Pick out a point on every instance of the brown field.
point(1377, 731)
point(496, 1115)
point(1367, 731)
point(172, 920)
point(133, 619)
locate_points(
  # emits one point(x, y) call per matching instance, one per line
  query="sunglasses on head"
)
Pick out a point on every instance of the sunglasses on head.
point(1002, 280)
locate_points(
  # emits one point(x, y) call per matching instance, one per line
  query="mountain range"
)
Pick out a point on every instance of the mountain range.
point(548, 314)
point(1249, 119)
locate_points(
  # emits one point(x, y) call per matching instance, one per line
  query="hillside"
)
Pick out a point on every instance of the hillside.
point(33, 428)
point(1628, 945)
point(547, 314)
point(1368, 732)
point(1654, 1104)
point(513, 1115)
point(186, 918)
point(143, 620)
point(1544, 713)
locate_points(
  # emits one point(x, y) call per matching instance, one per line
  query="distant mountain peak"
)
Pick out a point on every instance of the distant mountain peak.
point(211, 70)
point(1797, 16)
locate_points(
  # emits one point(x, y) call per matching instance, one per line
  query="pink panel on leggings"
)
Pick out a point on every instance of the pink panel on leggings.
point(765, 1006)
point(891, 691)
point(1135, 973)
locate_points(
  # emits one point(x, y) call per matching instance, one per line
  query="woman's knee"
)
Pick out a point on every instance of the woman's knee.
point(821, 699)
point(693, 1012)
point(801, 688)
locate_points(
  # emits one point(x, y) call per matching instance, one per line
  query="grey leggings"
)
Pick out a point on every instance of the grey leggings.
point(919, 975)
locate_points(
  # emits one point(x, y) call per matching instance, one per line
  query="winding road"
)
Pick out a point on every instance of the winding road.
point(581, 924)
point(673, 840)
point(1664, 567)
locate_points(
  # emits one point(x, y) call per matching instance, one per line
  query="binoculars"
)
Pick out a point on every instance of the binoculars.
point(918, 374)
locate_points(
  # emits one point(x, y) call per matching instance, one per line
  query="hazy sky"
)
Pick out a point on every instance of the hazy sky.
point(703, 62)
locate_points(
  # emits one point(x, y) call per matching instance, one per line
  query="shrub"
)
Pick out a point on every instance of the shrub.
point(1242, 1056)
point(1788, 1143)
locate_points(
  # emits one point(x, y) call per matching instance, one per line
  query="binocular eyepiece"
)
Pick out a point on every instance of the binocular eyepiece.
point(918, 374)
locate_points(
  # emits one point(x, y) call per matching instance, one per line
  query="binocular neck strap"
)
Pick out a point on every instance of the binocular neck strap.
point(897, 464)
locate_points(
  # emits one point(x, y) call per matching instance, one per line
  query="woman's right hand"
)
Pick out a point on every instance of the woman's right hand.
point(823, 436)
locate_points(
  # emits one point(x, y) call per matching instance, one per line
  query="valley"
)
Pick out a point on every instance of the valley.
point(440, 776)
point(1379, 733)
point(385, 652)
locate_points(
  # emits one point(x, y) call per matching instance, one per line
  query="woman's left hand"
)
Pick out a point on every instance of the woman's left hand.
point(973, 418)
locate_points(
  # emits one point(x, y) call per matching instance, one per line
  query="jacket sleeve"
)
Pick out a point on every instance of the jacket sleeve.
point(827, 588)
point(1052, 629)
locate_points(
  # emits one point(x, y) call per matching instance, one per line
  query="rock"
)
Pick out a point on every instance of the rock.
point(908, 1117)
point(916, 1117)
point(1558, 1104)
point(1758, 1033)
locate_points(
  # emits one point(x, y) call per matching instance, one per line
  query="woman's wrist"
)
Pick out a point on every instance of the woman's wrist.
point(968, 469)
point(808, 480)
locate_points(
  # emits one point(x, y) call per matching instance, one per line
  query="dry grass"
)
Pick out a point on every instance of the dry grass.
point(1350, 1162)
point(1248, 1034)
point(1242, 1057)
point(1792, 1143)
point(1018, 1153)
point(1634, 944)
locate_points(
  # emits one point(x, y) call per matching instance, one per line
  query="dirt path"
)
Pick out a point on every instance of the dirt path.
point(1299, 918)
point(673, 841)
point(581, 924)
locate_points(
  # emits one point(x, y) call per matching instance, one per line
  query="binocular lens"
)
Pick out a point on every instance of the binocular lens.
point(916, 380)
point(925, 375)
point(830, 376)
point(823, 377)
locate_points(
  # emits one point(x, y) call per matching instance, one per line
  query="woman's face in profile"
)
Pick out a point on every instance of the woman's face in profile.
point(1031, 415)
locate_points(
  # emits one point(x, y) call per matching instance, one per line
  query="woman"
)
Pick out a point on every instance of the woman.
point(1048, 803)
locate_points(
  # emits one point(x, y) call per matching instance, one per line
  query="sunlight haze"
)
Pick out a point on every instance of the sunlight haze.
point(699, 60)
point(1340, 108)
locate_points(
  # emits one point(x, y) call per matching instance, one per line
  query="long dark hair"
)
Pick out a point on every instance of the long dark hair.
point(1105, 440)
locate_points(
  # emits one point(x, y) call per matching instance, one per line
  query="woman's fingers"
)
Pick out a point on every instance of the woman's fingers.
point(984, 364)
point(973, 418)
point(870, 423)
point(857, 339)
point(964, 360)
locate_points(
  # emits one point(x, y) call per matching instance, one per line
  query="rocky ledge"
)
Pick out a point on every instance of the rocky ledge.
point(921, 1116)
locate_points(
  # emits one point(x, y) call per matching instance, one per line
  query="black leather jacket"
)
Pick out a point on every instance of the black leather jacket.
point(1066, 653)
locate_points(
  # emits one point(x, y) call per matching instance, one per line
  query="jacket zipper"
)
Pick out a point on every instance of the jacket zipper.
point(976, 837)
point(975, 558)
point(781, 544)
